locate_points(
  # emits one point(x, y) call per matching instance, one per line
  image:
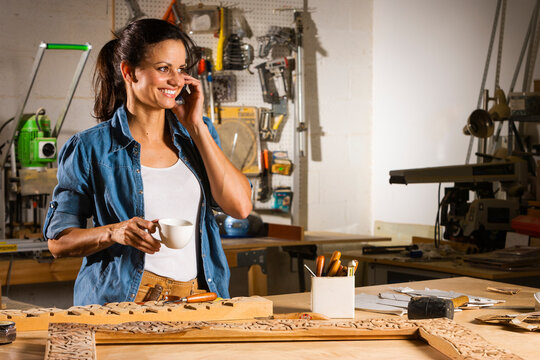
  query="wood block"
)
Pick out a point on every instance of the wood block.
point(286, 232)
point(115, 313)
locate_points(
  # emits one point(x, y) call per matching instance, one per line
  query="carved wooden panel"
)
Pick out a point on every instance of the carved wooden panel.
point(78, 341)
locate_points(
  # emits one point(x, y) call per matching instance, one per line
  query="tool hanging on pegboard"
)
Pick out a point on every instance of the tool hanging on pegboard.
point(280, 41)
point(264, 192)
point(275, 77)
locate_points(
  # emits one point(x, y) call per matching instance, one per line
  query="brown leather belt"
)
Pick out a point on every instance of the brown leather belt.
point(155, 287)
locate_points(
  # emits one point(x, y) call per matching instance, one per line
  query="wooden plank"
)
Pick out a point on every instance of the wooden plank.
point(116, 313)
point(286, 232)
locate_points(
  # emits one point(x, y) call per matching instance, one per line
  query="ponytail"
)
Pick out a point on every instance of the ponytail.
point(130, 45)
point(109, 86)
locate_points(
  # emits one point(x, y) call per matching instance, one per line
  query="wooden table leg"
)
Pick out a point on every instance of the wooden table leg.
point(257, 281)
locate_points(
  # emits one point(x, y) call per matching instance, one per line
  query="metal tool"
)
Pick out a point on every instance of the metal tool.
point(310, 271)
point(485, 220)
point(8, 332)
point(264, 191)
point(430, 307)
point(154, 293)
point(210, 91)
point(135, 11)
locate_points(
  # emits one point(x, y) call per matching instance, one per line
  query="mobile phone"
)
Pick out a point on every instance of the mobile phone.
point(180, 98)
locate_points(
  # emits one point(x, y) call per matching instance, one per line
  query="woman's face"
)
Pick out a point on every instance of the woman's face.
point(160, 76)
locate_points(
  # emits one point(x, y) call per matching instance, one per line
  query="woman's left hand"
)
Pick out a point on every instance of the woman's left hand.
point(190, 113)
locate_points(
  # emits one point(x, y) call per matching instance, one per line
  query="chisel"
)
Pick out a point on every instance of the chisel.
point(334, 267)
point(208, 296)
point(320, 265)
point(336, 255)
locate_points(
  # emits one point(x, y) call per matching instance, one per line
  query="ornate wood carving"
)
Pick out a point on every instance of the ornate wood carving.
point(78, 341)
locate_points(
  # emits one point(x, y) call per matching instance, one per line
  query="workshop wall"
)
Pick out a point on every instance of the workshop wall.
point(339, 182)
point(428, 61)
point(24, 24)
point(416, 63)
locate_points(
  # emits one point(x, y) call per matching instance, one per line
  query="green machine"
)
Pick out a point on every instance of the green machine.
point(28, 152)
point(35, 146)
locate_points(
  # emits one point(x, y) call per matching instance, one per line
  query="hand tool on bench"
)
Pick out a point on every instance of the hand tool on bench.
point(208, 296)
point(431, 307)
point(154, 293)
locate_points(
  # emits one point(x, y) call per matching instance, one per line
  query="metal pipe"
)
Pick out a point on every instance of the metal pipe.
point(523, 49)
point(74, 82)
point(484, 76)
point(17, 118)
point(299, 98)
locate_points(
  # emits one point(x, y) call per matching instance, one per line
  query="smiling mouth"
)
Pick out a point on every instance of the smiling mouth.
point(168, 93)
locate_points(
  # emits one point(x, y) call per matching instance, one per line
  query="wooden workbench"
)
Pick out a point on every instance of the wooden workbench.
point(378, 263)
point(31, 345)
point(29, 271)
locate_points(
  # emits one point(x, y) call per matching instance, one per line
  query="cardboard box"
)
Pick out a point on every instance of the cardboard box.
point(333, 296)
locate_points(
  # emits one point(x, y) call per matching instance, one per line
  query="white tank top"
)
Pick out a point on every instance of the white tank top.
point(172, 192)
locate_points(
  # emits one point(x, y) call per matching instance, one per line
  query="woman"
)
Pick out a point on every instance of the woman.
point(149, 158)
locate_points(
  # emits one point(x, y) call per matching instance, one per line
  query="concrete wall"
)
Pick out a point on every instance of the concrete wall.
point(428, 60)
point(393, 83)
point(339, 182)
point(24, 24)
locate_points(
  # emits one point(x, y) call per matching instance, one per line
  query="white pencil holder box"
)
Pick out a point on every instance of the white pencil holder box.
point(333, 296)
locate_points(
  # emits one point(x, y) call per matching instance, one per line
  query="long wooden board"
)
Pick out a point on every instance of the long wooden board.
point(116, 313)
point(78, 341)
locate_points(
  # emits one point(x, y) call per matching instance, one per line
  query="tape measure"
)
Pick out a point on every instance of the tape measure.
point(8, 332)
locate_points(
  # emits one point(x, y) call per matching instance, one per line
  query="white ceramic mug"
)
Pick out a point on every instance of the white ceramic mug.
point(175, 233)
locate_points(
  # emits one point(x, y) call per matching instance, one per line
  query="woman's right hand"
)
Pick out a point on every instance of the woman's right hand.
point(136, 232)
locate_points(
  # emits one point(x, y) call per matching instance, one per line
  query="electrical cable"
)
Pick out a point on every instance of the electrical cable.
point(40, 111)
point(5, 124)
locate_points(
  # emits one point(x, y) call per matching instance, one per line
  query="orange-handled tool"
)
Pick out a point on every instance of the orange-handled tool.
point(334, 267)
point(320, 265)
point(208, 296)
point(336, 255)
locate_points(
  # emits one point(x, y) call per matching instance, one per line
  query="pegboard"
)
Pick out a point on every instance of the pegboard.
point(260, 15)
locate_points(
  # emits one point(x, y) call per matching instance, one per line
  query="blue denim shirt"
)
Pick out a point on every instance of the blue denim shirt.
point(99, 176)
